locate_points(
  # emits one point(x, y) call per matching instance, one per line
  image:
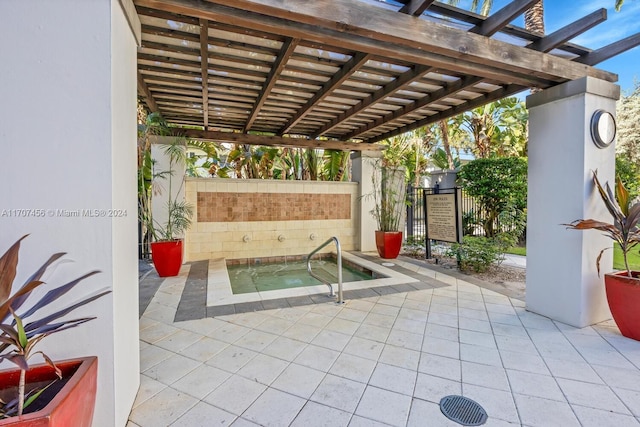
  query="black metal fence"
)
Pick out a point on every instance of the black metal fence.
point(415, 225)
point(473, 216)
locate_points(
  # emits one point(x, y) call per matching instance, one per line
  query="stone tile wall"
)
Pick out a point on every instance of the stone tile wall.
point(237, 219)
point(242, 207)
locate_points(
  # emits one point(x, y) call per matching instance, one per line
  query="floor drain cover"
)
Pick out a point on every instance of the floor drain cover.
point(388, 264)
point(463, 410)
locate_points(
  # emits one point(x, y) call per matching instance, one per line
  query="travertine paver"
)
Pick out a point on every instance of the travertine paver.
point(381, 360)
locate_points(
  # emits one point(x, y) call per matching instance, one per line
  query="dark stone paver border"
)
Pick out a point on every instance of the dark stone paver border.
point(192, 305)
point(148, 286)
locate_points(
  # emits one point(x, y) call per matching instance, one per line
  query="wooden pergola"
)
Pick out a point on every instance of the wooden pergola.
point(343, 74)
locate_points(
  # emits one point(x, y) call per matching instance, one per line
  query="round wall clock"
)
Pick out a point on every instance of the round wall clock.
point(603, 128)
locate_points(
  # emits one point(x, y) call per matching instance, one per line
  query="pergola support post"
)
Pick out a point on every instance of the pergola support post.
point(362, 169)
point(562, 280)
point(68, 174)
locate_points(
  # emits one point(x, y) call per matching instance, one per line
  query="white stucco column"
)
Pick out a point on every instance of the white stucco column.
point(562, 281)
point(362, 170)
point(161, 164)
point(68, 137)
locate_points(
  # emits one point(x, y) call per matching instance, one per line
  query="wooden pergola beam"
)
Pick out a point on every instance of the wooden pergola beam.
point(350, 67)
point(566, 33)
point(288, 47)
point(389, 34)
point(458, 109)
point(144, 91)
point(404, 80)
point(204, 64)
point(502, 18)
point(278, 141)
point(609, 51)
point(416, 7)
point(434, 96)
point(487, 27)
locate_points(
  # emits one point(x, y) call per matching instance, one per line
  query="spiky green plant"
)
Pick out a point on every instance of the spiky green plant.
point(179, 213)
point(21, 333)
point(388, 197)
point(626, 215)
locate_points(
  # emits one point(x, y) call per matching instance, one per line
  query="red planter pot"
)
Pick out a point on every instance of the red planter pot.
point(388, 243)
point(623, 294)
point(167, 257)
point(72, 406)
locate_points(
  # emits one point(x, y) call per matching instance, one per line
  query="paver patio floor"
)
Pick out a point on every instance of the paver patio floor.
point(381, 360)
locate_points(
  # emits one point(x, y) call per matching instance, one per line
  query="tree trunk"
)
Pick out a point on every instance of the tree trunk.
point(444, 130)
point(534, 18)
point(534, 21)
point(21, 385)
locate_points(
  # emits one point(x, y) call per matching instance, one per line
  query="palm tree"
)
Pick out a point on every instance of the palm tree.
point(534, 18)
point(619, 4)
point(496, 129)
point(443, 125)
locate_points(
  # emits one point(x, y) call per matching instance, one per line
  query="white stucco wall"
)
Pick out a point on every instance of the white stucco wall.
point(363, 168)
point(161, 196)
point(562, 281)
point(67, 129)
point(126, 370)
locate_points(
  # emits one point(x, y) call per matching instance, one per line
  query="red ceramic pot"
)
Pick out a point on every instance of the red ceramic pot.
point(167, 257)
point(388, 243)
point(623, 294)
point(72, 406)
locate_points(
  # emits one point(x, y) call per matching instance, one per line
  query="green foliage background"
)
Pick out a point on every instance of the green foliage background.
point(499, 185)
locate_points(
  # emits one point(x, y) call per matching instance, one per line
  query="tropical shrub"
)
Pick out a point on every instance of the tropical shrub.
point(499, 185)
point(476, 253)
point(629, 173)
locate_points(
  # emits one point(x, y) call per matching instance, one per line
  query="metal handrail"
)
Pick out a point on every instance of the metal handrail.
point(339, 257)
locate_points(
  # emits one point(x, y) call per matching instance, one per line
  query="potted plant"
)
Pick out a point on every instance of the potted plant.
point(54, 393)
point(622, 287)
point(166, 245)
point(389, 204)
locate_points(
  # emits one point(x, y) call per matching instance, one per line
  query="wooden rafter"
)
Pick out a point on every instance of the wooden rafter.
point(475, 19)
point(288, 47)
point(167, 15)
point(502, 18)
point(166, 47)
point(278, 141)
point(458, 109)
point(143, 90)
point(486, 27)
point(610, 50)
point(204, 64)
point(388, 34)
point(174, 34)
point(403, 81)
point(434, 96)
point(350, 67)
point(564, 34)
point(416, 7)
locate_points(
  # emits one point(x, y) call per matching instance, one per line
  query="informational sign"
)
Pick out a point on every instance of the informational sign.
point(443, 219)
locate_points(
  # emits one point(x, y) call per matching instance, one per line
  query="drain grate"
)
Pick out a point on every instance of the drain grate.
point(463, 410)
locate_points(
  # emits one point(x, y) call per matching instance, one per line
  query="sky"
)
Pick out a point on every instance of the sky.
point(559, 13)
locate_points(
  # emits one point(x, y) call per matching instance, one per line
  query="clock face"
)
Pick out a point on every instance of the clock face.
point(603, 128)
